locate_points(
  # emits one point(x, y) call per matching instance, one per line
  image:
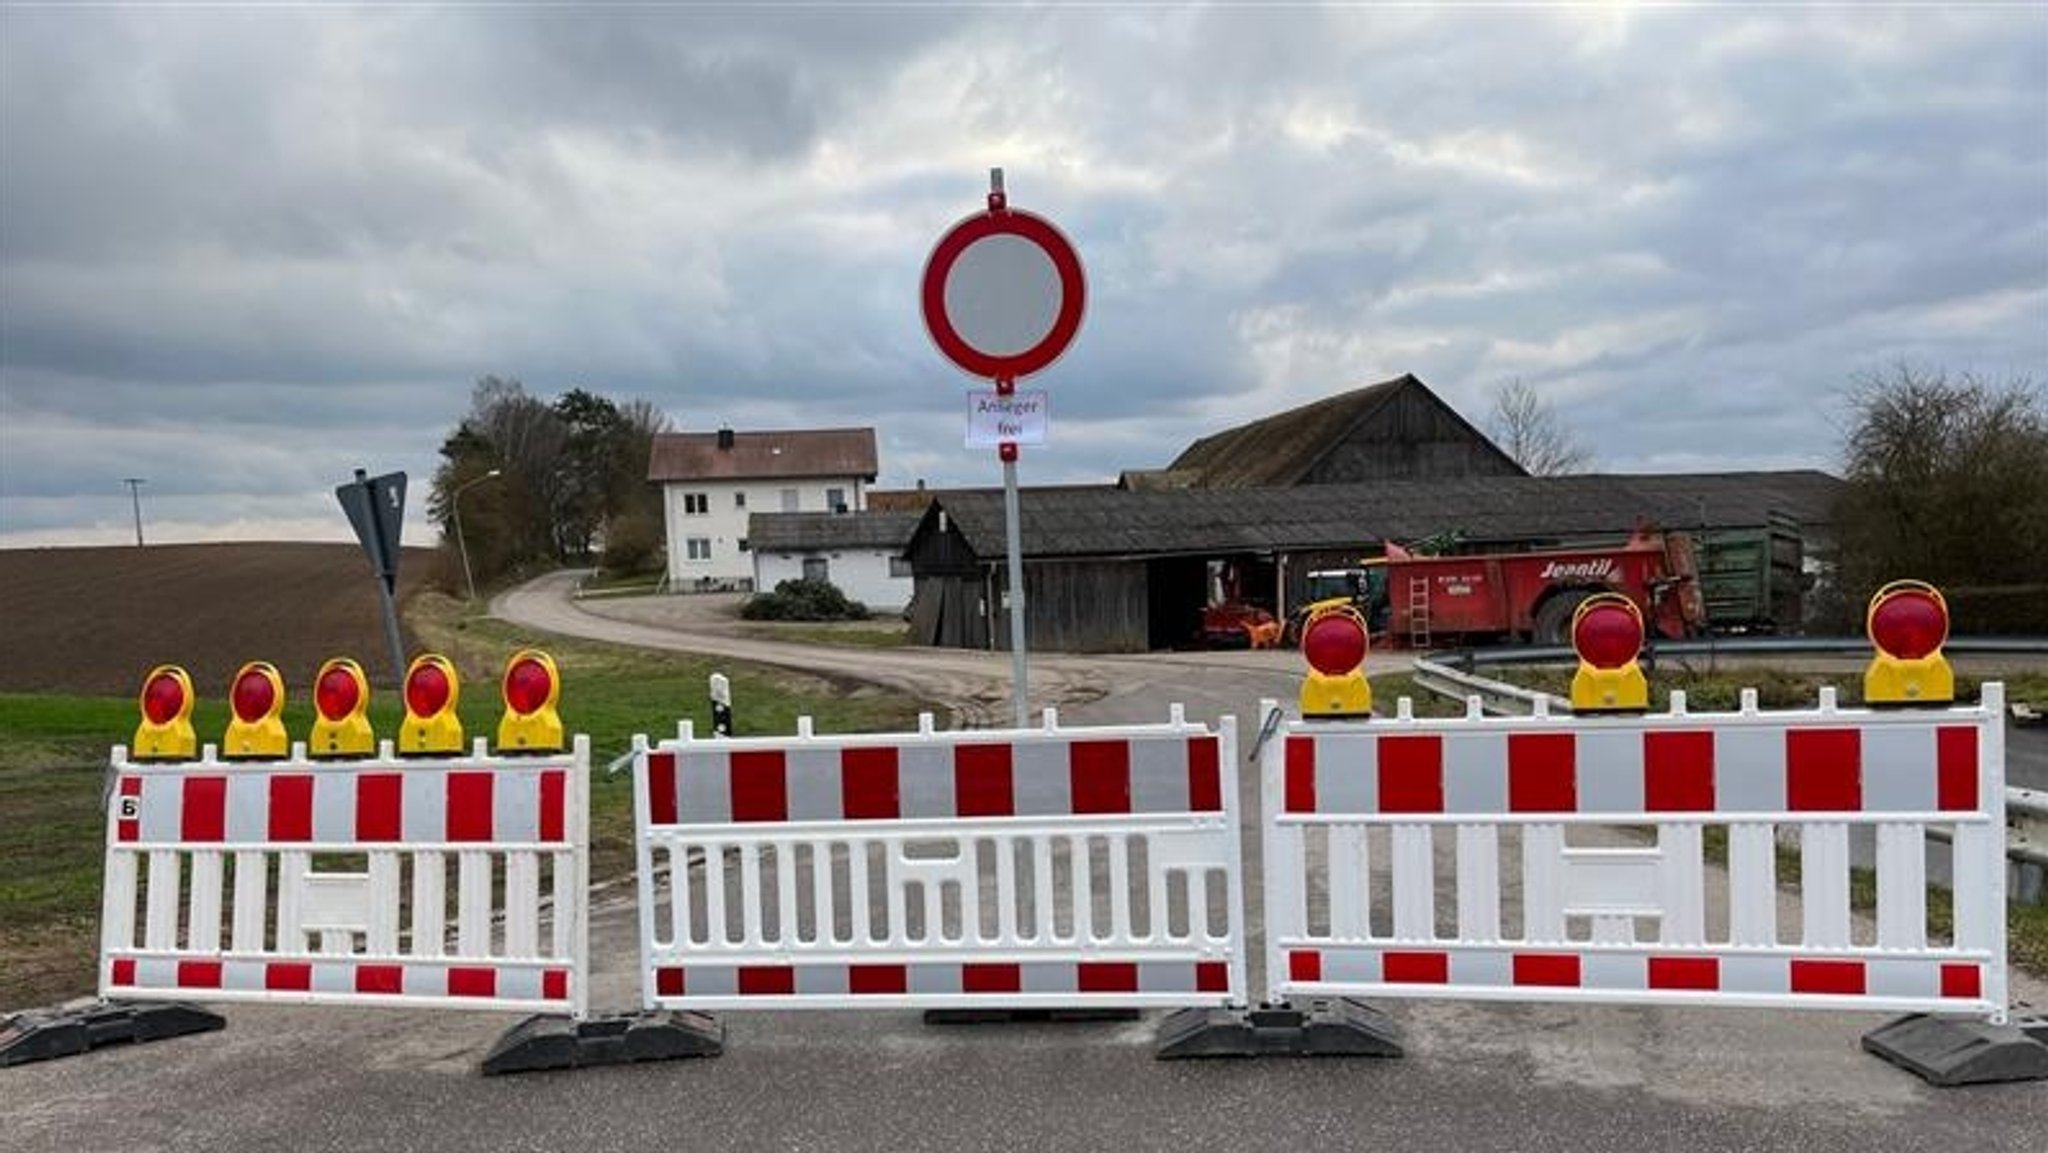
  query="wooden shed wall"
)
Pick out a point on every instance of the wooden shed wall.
point(1410, 438)
point(1095, 606)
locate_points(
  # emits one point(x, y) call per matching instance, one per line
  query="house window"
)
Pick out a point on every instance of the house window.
point(698, 547)
point(817, 568)
point(696, 503)
point(899, 566)
point(835, 500)
point(739, 500)
point(789, 500)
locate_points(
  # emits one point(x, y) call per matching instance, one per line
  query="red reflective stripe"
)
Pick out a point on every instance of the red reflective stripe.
point(1415, 968)
point(1099, 776)
point(877, 979)
point(291, 976)
point(1553, 969)
point(981, 781)
point(661, 789)
point(868, 788)
point(204, 815)
point(1827, 977)
point(1205, 777)
point(1955, 752)
point(471, 982)
point(991, 978)
point(554, 985)
point(469, 807)
point(668, 982)
point(291, 807)
point(124, 971)
point(1684, 973)
point(1824, 770)
point(1678, 772)
point(199, 974)
point(760, 786)
point(1962, 981)
point(554, 790)
point(1542, 774)
point(380, 979)
point(130, 830)
point(380, 800)
point(1304, 965)
point(1107, 976)
point(767, 980)
point(1301, 774)
point(1411, 774)
point(1212, 977)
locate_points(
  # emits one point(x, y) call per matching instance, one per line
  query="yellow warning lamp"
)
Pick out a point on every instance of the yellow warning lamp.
point(431, 691)
point(255, 702)
point(1908, 622)
point(1333, 641)
point(165, 733)
point(1607, 633)
point(341, 704)
point(531, 687)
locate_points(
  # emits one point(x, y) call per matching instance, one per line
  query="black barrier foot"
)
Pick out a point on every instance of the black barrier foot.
point(1323, 1029)
point(540, 1043)
point(1025, 1016)
point(80, 1026)
point(1945, 1051)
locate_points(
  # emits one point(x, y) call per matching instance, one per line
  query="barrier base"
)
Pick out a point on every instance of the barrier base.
point(542, 1043)
point(1338, 1028)
point(1025, 1016)
point(80, 1026)
point(1945, 1051)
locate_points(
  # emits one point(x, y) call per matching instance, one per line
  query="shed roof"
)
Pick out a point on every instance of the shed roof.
point(822, 531)
point(1108, 521)
point(793, 452)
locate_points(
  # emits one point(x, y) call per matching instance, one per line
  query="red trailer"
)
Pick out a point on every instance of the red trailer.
point(1435, 599)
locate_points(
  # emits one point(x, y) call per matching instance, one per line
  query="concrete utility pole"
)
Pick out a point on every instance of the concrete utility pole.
point(135, 484)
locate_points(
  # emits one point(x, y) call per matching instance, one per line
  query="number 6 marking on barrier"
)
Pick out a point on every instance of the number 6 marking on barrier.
point(127, 808)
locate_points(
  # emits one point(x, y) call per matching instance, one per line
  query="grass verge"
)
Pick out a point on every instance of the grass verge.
point(53, 756)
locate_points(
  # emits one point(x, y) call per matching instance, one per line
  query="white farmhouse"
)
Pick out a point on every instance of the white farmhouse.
point(713, 481)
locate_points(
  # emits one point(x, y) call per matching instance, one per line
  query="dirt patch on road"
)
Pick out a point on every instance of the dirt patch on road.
point(94, 620)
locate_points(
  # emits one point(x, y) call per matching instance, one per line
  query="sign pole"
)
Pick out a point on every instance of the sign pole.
point(1013, 533)
point(387, 577)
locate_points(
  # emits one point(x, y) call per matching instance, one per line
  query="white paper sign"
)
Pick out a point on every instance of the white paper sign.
point(1020, 418)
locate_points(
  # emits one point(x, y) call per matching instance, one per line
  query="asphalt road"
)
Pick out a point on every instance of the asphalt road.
point(1475, 1077)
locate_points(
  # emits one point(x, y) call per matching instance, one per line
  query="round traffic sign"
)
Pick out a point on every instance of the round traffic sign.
point(1003, 294)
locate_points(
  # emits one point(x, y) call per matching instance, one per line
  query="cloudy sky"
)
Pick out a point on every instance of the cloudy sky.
point(244, 251)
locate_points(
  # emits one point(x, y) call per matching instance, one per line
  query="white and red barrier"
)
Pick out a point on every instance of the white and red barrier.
point(1367, 823)
point(328, 882)
point(1048, 868)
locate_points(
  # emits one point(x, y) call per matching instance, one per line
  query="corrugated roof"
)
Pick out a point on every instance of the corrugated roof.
point(1281, 449)
point(1106, 521)
point(794, 452)
point(825, 531)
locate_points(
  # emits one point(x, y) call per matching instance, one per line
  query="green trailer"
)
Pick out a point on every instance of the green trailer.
point(1753, 579)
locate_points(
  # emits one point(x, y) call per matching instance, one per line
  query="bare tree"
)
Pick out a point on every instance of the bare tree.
point(1526, 428)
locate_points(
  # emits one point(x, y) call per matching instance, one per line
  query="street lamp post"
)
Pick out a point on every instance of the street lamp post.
point(135, 484)
point(461, 545)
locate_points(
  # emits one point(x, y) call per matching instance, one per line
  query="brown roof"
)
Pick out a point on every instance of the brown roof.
point(1281, 449)
point(793, 452)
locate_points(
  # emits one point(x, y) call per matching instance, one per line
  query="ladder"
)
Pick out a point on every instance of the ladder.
point(1418, 612)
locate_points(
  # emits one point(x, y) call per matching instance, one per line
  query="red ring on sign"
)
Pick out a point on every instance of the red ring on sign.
point(1065, 261)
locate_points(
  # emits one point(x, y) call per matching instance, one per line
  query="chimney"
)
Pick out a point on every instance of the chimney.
point(724, 439)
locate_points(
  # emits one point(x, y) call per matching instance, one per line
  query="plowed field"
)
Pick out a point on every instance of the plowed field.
point(94, 620)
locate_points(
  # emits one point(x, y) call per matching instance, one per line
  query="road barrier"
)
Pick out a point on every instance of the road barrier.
point(328, 882)
point(1046, 868)
point(1616, 920)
